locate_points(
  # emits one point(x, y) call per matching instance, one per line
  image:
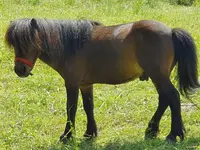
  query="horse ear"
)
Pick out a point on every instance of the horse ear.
point(34, 24)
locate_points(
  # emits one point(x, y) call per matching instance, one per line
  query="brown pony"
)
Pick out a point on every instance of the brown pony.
point(85, 52)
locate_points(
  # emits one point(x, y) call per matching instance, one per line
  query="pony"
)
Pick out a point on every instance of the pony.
point(86, 52)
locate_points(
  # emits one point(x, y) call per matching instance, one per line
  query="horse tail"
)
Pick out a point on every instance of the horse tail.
point(186, 56)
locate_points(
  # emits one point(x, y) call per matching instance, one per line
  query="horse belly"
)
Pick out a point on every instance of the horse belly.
point(130, 70)
point(112, 63)
point(122, 69)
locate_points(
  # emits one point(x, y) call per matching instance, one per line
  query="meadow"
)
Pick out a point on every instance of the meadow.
point(32, 110)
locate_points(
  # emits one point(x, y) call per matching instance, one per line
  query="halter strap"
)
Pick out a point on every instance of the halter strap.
point(24, 61)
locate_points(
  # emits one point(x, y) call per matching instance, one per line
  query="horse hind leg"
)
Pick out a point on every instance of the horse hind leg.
point(153, 126)
point(168, 96)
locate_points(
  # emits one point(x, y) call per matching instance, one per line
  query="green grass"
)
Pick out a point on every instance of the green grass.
point(32, 110)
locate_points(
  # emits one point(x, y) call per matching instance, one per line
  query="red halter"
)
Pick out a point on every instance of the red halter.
point(24, 61)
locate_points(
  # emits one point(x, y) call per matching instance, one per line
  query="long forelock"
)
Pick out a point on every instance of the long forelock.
point(20, 34)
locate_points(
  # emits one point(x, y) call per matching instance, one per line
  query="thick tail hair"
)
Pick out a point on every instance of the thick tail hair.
point(185, 55)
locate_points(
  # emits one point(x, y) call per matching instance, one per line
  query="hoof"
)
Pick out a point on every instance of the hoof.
point(171, 139)
point(90, 134)
point(64, 138)
point(150, 134)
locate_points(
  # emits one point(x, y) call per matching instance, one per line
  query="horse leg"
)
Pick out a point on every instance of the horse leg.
point(168, 95)
point(153, 126)
point(72, 100)
point(177, 127)
point(88, 104)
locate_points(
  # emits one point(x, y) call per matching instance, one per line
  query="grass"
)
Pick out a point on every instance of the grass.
point(32, 110)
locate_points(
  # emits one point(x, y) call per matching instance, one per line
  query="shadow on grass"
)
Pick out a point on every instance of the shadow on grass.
point(154, 145)
point(157, 144)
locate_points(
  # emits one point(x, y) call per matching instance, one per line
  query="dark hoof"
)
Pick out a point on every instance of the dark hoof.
point(90, 134)
point(91, 130)
point(149, 134)
point(64, 138)
point(171, 139)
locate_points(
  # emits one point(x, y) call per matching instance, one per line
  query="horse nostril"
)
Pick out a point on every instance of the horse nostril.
point(23, 69)
point(20, 70)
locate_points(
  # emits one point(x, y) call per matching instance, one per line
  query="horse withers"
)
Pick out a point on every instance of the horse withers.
point(85, 52)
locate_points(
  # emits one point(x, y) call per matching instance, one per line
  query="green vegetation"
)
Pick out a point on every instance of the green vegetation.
point(32, 110)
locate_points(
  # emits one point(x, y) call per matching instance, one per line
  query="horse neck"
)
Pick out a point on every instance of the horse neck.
point(45, 58)
point(53, 63)
point(48, 60)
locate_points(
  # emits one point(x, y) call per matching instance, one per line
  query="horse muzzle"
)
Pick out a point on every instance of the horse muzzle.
point(22, 70)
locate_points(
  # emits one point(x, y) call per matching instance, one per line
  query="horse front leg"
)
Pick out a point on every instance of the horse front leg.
point(88, 104)
point(72, 100)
